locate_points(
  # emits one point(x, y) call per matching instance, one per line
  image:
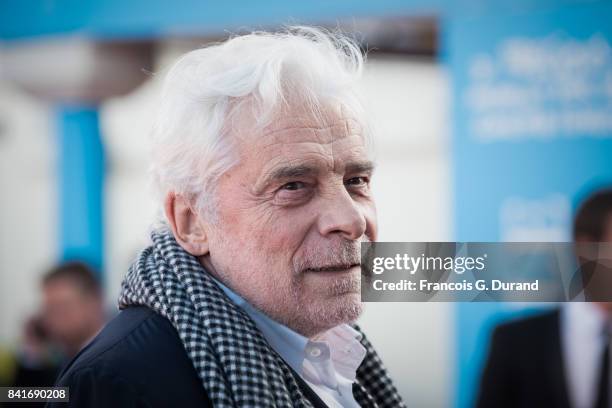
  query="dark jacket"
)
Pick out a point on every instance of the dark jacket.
point(138, 360)
point(525, 365)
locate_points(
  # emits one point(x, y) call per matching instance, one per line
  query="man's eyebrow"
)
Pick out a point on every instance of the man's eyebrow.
point(365, 166)
point(286, 172)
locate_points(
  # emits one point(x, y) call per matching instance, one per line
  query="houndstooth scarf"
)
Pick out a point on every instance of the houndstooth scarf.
point(238, 368)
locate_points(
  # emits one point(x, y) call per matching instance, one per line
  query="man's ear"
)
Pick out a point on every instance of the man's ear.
point(187, 227)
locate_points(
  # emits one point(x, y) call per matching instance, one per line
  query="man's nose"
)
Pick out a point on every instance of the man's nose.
point(342, 215)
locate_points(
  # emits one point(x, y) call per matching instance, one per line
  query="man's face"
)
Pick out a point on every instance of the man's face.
point(607, 237)
point(290, 219)
point(68, 313)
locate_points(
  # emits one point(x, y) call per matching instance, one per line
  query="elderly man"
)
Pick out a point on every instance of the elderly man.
point(247, 294)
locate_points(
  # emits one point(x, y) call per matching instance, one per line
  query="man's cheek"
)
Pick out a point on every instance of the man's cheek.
point(272, 231)
point(272, 243)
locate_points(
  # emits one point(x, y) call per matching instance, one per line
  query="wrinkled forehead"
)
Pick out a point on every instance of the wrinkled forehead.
point(291, 129)
point(296, 144)
point(323, 124)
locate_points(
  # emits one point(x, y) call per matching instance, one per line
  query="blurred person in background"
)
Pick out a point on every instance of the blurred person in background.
point(35, 363)
point(248, 294)
point(560, 358)
point(72, 313)
point(73, 306)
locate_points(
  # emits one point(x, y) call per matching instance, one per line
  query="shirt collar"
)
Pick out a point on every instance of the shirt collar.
point(346, 350)
point(585, 318)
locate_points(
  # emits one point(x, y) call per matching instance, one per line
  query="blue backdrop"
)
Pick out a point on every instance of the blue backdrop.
point(532, 134)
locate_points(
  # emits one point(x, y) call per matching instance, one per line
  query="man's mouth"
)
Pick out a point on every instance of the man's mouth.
point(333, 268)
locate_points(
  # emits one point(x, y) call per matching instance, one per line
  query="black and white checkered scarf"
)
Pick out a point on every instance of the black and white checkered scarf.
point(238, 368)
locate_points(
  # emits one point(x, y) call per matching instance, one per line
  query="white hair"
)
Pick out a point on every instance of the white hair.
point(262, 72)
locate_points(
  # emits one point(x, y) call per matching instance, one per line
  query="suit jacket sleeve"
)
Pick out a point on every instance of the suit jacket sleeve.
point(496, 389)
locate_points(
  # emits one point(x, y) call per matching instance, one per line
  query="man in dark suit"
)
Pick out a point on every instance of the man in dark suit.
point(560, 358)
point(248, 293)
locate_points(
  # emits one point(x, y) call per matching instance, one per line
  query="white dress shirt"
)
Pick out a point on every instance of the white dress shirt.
point(582, 342)
point(327, 363)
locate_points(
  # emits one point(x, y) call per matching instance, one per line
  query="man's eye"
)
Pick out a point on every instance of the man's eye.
point(357, 181)
point(293, 186)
